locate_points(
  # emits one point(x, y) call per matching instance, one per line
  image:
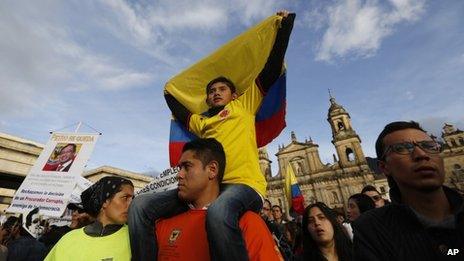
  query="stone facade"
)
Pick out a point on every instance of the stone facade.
point(331, 183)
point(453, 156)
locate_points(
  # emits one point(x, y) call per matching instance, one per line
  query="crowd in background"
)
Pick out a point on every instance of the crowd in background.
point(424, 218)
point(320, 229)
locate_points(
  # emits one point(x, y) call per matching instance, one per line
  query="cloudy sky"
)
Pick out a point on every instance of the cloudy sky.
point(105, 63)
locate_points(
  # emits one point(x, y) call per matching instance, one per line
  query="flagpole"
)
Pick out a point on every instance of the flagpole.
point(78, 127)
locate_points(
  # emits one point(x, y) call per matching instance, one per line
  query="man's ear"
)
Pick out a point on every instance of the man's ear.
point(234, 96)
point(383, 167)
point(213, 169)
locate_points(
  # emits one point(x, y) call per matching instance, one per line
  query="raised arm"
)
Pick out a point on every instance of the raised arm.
point(181, 113)
point(273, 68)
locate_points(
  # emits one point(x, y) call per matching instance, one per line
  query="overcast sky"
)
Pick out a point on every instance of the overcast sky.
point(105, 63)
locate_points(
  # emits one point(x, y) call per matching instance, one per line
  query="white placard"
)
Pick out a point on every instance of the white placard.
point(167, 180)
point(81, 185)
point(53, 177)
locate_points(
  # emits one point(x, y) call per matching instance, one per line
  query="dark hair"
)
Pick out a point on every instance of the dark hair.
point(67, 145)
point(364, 202)
point(10, 224)
point(311, 250)
point(267, 201)
point(369, 188)
point(224, 80)
point(294, 229)
point(380, 146)
point(207, 150)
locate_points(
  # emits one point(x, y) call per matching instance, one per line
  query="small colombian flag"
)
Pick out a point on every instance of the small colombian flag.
point(292, 190)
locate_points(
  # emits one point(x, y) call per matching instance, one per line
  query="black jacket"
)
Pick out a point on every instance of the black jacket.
point(26, 248)
point(394, 232)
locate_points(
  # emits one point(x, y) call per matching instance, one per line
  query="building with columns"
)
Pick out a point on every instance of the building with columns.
point(331, 183)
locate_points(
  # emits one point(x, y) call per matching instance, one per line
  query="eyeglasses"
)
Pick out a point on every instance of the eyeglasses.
point(376, 197)
point(405, 148)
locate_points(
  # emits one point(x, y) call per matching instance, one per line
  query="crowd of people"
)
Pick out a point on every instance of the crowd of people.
point(213, 213)
point(423, 220)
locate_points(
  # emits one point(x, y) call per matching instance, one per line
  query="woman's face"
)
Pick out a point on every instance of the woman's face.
point(277, 213)
point(319, 227)
point(353, 211)
point(116, 208)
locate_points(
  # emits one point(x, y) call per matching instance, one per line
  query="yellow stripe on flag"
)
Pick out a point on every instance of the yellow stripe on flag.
point(290, 179)
point(240, 60)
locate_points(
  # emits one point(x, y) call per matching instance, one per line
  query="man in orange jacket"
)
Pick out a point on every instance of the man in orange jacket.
point(183, 237)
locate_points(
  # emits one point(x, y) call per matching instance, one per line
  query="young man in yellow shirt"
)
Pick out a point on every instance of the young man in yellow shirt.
point(231, 121)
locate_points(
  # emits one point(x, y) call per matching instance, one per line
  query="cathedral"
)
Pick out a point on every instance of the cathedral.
point(334, 183)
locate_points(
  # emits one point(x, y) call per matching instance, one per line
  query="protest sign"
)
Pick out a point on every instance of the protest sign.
point(81, 185)
point(51, 180)
point(167, 180)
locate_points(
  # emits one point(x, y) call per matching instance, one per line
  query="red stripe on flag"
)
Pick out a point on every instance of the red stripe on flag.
point(175, 151)
point(269, 129)
point(298, 204)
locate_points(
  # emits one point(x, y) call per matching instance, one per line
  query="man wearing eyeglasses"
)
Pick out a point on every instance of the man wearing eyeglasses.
point(426, 219)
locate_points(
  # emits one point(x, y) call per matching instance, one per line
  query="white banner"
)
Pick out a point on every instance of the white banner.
point(53, 177)
point(165, 181)
point(81, 185)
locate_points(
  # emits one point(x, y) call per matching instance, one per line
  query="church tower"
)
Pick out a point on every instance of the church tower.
point(344, 138)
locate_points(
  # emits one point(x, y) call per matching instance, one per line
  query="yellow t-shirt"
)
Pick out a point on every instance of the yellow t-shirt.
point(76, 245)
point(234, 128)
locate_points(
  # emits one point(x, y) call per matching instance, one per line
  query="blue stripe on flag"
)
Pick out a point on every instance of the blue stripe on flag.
point(179, 133)
point(274, 99)
point(295, 190)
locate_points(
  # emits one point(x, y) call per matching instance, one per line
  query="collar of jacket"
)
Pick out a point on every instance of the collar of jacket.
point(96, 229)
point(454, 198)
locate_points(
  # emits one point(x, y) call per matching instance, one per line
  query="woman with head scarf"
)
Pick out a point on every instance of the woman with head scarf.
point(107, 238)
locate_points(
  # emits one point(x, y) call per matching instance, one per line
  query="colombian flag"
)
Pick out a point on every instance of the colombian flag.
point(240, 60)
point(293, 192)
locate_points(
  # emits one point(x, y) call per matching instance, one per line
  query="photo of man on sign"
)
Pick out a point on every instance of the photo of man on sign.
point(62, 157)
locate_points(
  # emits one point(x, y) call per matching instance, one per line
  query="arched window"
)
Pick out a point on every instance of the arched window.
point(382, 189)
point(340, 126)
point(299, 170)
point(461, 141)
point(457, 166)
point(453, 143)
point(349, 154)
point(335, 197)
